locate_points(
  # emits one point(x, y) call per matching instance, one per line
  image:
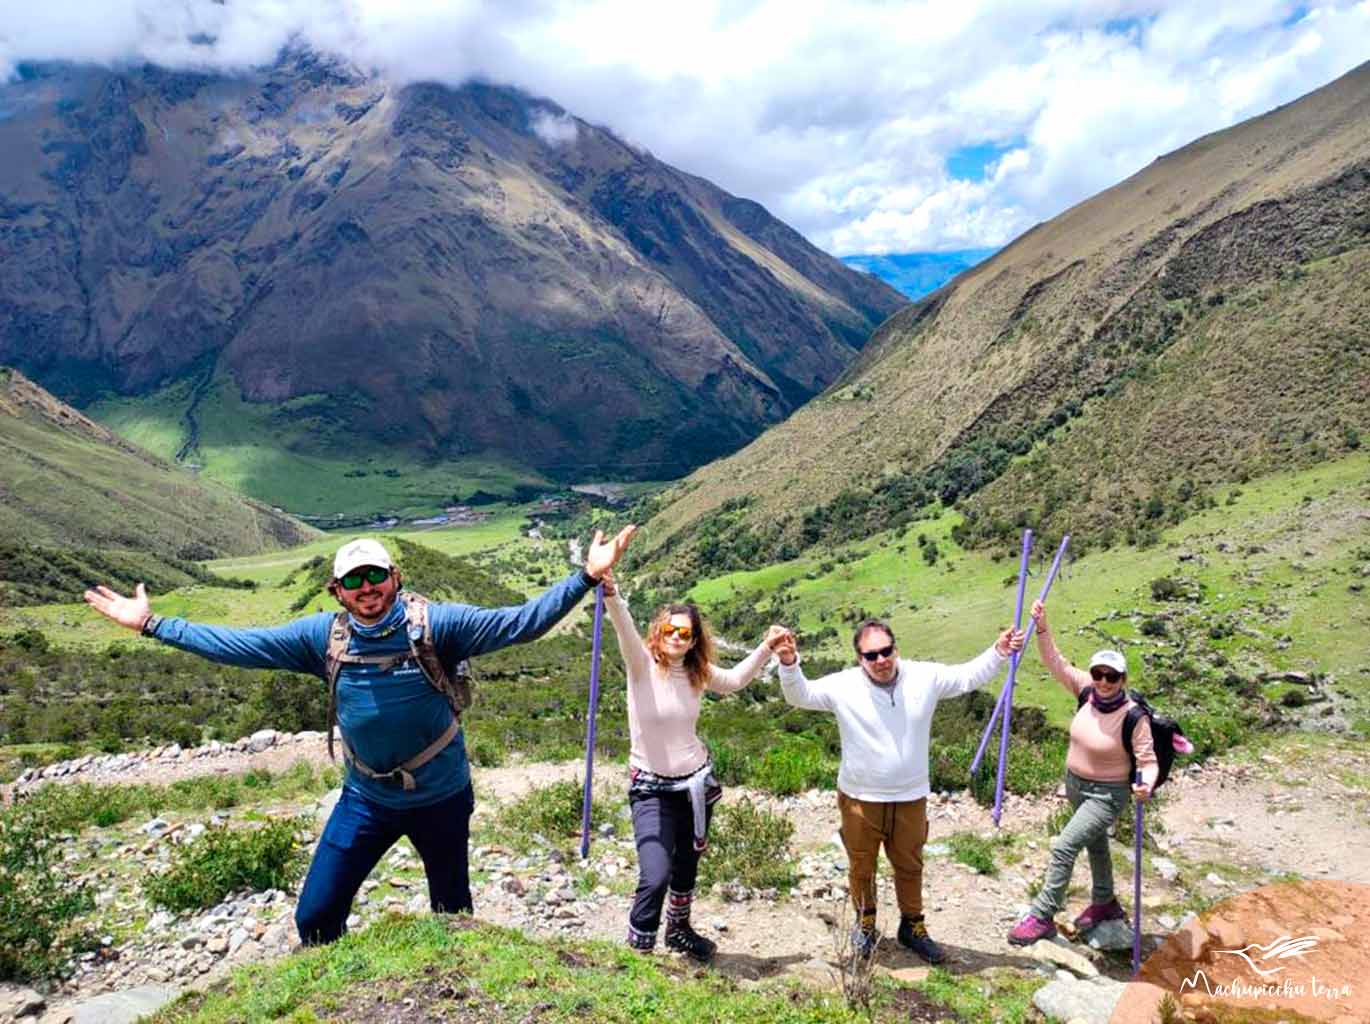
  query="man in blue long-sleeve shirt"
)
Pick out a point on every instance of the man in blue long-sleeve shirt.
point(387, 714)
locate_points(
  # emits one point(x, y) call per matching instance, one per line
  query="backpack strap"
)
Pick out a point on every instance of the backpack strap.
point(1137, 709)
point(405, 772)
point(339, 635)
point(1082, 698)
point(453, 686)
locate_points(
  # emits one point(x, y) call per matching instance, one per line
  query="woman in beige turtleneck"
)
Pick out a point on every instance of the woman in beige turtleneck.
point(672, 789)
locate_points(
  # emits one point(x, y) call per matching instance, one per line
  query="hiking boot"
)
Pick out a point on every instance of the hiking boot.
point(863, 942)
point(1098, 913)
point(1030, 929)
point(643, 942)
point(914, 935)
point(684, 939)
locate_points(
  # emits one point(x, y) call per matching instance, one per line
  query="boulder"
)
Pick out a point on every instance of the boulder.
point(1111, 936)
point(262, 739)
point(1091, 1000)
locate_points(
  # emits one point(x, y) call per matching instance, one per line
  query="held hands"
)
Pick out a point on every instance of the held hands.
point(784, 644)
point(1010, 642)
point(602, 555)
point(131, 612)
point(777, 636)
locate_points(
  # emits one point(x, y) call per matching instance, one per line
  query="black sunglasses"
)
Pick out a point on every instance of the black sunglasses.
point(372, 574)
point(883, 652)
point(1100, 675)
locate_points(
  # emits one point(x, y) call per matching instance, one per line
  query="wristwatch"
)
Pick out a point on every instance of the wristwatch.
point(149, 626)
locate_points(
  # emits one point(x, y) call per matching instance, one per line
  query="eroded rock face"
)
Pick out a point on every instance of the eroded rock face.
point(443, 253)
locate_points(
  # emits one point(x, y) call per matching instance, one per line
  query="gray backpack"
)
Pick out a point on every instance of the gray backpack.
point(455, 684)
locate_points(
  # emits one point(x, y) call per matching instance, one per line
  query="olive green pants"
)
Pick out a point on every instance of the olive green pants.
point(1097, 805)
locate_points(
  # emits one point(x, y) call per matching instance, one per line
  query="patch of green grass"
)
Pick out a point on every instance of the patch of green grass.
point(793, 765)
point(997, 995)
point(454, 967)
point(978, 852)
point(79, 805)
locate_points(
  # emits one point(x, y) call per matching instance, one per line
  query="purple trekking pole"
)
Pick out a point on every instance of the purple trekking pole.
point(1137, 881)
point(590, 723)
point(1032, 625)
point(1012, 674)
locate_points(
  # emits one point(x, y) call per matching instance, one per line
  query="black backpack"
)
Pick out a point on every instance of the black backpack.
point(1164, 729)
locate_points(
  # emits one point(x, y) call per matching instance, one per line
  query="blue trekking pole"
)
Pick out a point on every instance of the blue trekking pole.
point(1032, 625)
point(1137, 880)
point(1012, 674)
point(590, 726)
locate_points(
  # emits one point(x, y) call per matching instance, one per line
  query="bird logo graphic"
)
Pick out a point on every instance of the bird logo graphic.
point(1283, 948)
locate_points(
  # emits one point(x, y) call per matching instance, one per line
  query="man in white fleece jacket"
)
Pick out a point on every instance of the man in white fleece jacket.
point(884, 712)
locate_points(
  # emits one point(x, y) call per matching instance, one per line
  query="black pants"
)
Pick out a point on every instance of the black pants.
point(663, 826)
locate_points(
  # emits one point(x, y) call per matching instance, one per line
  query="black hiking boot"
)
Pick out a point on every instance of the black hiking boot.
point(684, 939)
point(913, 934)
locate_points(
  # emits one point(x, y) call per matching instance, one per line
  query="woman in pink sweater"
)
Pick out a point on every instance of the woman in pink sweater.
point(672, 789)
point(1099, 774)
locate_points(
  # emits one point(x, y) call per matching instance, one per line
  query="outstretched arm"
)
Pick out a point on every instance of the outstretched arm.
point(1072, 678)
point(636, 658)
point(297, 646)
point(954, 680)
point(472, 631)
point(730, 680)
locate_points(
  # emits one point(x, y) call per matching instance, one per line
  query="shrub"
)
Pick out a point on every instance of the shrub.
point(39, 902)
point(224, 860)
point(1153, 626)
point(748, 844)
point(552, 812)
point(795, 764)
point(1164, 588)
point(977, 852)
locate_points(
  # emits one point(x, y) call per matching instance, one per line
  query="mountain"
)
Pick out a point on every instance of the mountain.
point(1205, 321)
point(306, 263)
point(66, 482)
point(916, 274)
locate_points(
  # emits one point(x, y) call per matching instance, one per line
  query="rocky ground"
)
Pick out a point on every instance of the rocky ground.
point(1298, 809)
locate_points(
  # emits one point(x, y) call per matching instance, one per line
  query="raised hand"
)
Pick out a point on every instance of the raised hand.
point(1009, 642)
point(1039, 615)
point(127, 611)
point(603, 554)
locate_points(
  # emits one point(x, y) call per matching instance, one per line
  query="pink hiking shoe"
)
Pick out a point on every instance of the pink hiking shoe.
point(1098, 913)
point(1031, 929)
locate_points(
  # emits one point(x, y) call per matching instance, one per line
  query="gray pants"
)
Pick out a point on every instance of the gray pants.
point(1097, 805)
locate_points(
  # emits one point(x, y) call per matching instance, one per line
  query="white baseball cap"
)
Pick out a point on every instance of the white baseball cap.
point(1110, 659)
point(356, 553)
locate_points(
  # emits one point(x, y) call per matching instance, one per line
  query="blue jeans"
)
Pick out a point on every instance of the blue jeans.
point(356, 837)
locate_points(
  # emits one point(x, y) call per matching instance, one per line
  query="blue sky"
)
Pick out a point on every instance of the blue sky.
point(871, 126)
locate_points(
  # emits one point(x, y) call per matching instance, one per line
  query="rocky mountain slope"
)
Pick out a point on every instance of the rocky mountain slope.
point(456, 271)
point(1204, 321)
point(66, 481)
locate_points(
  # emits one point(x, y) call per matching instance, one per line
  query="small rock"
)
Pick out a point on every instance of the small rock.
point(26, 1002)
point(1166, 868)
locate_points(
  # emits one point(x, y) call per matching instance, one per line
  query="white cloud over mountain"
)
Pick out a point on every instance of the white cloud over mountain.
point(839, 116)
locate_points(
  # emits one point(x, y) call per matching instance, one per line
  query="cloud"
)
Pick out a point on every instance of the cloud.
point(555, 129)
point(839, 115)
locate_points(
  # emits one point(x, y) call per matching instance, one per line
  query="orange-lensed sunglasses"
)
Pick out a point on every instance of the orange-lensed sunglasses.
point(671, 629)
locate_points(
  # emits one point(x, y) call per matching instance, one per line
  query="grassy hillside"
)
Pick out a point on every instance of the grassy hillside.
point(311, 455)
point(1201, 323)
point(1273, 578)
point(67, 482)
